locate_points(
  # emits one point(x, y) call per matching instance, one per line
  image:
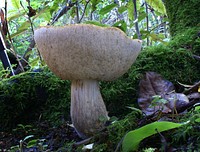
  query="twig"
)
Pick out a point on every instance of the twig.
point(192, 89)
point(26, 56)
point(147, 20)
point(87, 2)
point(29, 17)
point(77, 11)
point(196, 57)
point(163, 141)
point(136, 20)
point(61, 12)
point(119, 145)
point(85, 141)
point(9, 37)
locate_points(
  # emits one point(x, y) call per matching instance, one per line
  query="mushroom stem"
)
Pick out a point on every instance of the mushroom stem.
point(88, 111)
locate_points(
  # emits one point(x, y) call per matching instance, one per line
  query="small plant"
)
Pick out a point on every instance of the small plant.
point(26, 143)
point(158, 101)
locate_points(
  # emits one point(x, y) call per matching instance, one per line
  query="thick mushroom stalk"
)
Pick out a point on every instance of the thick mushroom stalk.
point(86, 54)
point(88, 111)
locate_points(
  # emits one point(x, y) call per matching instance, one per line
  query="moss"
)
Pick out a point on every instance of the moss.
point(182, 14)
point(188, 40)
point(112, 137)
point(26, 97)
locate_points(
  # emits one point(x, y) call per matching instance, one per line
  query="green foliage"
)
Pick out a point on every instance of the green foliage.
point(165, 60)
point(190, 132)
point(130, 8)
point(157, 5)
point(107, 9)
point(16, 4)
point(29, 142)
point(115, 132)
point(133, 138)
point(188, 40)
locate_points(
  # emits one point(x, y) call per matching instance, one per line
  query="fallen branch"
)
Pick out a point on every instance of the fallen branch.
point(194, 88)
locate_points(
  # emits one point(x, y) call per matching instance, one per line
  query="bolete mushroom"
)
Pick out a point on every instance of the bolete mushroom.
point(86, 54)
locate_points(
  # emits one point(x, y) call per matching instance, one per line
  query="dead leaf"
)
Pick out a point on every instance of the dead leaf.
point(3, 22)
point(157, 94)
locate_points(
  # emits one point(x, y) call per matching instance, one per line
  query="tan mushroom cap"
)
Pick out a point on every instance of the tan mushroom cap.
point(86, 51)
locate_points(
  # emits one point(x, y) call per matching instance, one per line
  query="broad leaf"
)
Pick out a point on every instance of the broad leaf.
point(15, 16)
point(122, 9)
point(16, 4)
point(121, 25)
point(157, 5)
point(94, 4)
point(96, 23)
point(21, 29)
point(142, 16)
point(155, 37)
point(130, 6)
point(133, 138)
point(107, 9)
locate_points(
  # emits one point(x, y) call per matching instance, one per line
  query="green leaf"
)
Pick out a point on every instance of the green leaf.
point(121, 25)
point(32, 143)
point(142, 16)
point(21, 29)
point(157, 5)
point(156, 37)
point(133, 138)
point(55, 6)
point(96, 23)
point(122, 9)
point(197, 120)
point(130, 6)
point(16, 4)
point(107, 9)
point(94, 4)
point(15, 16)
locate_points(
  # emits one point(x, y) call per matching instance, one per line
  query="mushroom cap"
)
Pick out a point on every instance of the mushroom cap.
point(82, 51)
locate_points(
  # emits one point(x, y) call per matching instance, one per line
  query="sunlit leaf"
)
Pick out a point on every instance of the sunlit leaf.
point(94, 4)
point(121, 25)
point(21, 29)
point(96, 23)
point(197, 120)
point(55, 6)
point(15, 16)
point(34, 62)
point(133, 138)
point(107, 9)
point(32, 143)
point(142, 16)
point(157, 5)
point(130, 6)
point(155, 37)
point(16, 4)
point(122, 9)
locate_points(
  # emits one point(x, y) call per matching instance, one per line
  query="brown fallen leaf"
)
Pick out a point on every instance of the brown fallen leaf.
point(157, 94)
